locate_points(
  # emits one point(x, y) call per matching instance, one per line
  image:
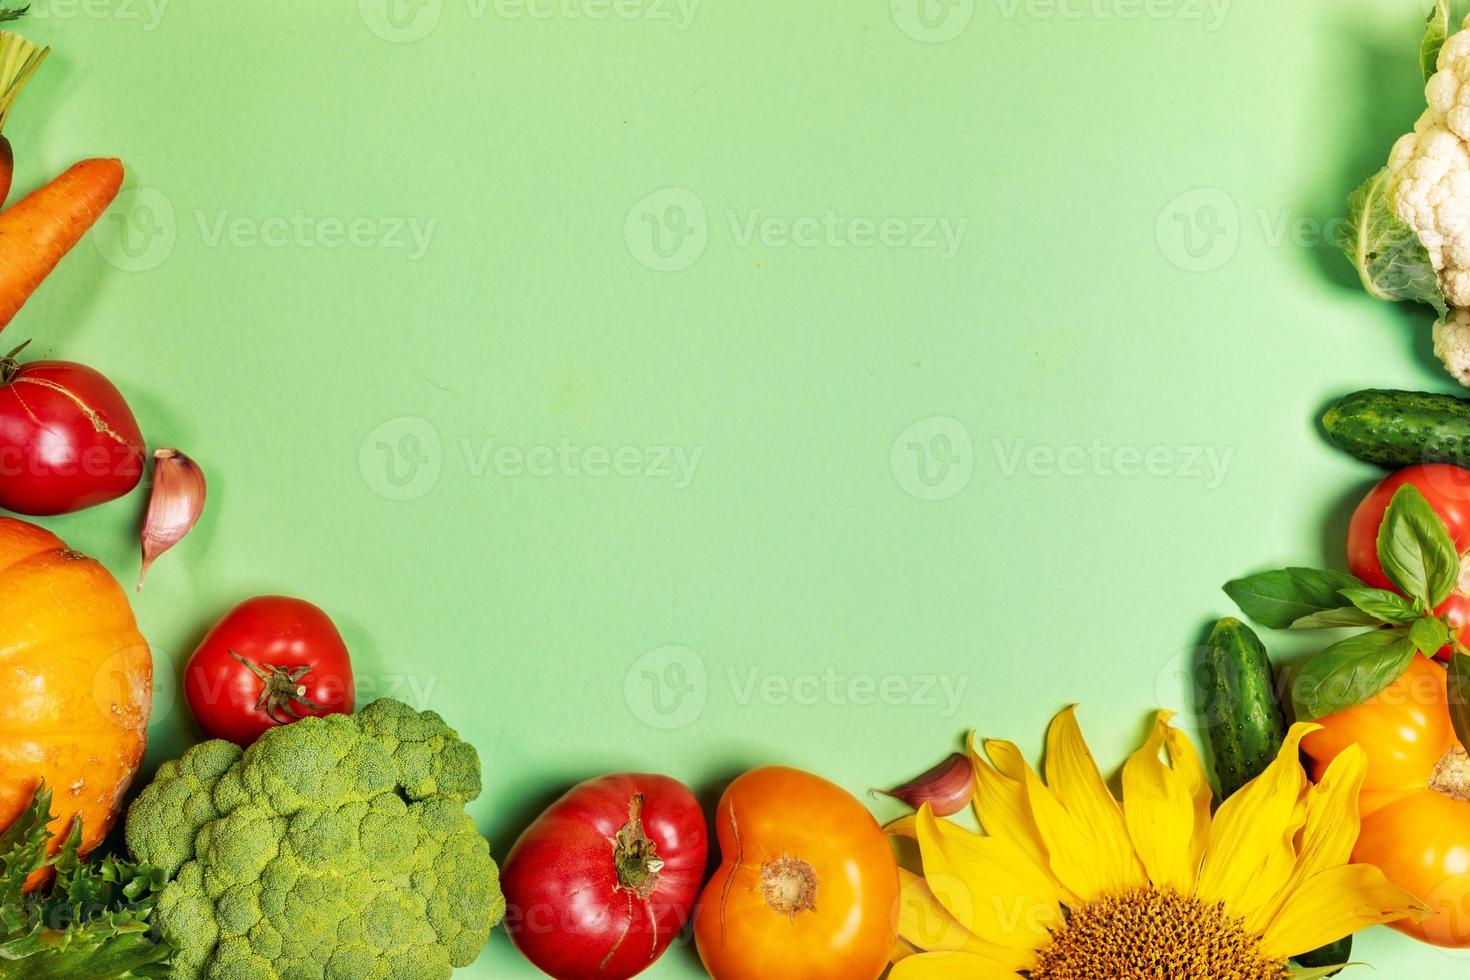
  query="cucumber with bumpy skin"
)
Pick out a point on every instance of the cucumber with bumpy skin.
point(1247, 728)
point(1247, 725)
point(1400, 428)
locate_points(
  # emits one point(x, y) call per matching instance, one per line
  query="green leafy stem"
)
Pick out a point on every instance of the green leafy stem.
point(1420, 560)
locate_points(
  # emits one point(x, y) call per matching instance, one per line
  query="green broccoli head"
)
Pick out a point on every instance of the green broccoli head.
point(335, 848)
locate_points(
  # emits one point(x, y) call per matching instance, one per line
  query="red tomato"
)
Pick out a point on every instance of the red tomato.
point(271, 661)
point(600, 884)
point(68, 440)
point(1447, 489)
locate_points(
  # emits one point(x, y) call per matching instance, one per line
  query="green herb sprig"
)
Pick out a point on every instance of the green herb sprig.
point(1421, 562)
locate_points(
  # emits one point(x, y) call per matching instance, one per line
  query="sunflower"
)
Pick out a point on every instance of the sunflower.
point(1069, 884)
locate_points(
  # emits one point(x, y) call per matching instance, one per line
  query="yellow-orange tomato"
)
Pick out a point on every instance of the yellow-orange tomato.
point(1416, 796)
point(75, 684)
point(807, 888)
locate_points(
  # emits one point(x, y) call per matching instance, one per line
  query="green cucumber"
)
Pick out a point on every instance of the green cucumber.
point(1246, 723)
point(1337, 954)
point(1247, 728)
point(1400, 428)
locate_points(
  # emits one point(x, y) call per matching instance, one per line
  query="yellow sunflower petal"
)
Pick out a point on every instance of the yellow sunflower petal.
point(1160, 812)
point(924, 922)
point(1000, 797)
point(949, 966)
point(1252, 846)
point(1330, 831)
point(903, 827)
point(1081, 824)
point(1336, 903)
point(988, 884)
point(1184, 760)
point(1333, 822)
point(1003, 805)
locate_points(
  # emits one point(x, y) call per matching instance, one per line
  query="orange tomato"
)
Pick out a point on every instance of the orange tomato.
point(1416, 796)
point(76, 685)
point(808, 887)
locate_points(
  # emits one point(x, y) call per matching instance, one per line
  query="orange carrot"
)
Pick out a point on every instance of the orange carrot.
point(44, 225)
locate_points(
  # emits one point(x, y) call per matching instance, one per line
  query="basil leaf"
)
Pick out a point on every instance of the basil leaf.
point(1459, 694)
point(1350, 672)
point(1336, 619)
point(1415, 549)
point(1383, 605)
point(1391, 260)
point(1429, 634)
point(1281, 598)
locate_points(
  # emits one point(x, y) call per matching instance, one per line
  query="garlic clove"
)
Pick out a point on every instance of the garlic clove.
point(947, 788)
point(174, 506)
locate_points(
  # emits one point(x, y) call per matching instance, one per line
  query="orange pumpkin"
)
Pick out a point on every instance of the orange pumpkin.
point(75, 684)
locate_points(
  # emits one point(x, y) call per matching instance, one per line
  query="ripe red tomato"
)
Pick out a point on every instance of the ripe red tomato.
point(1447, 489)
point(271, 661)
point(600, 884)
point(68, 440)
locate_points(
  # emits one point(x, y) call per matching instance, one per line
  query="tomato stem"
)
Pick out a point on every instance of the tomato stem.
point(789, 886)
point(9, 365)
point(635, 854)
point(282, 690)
point(1452, 775)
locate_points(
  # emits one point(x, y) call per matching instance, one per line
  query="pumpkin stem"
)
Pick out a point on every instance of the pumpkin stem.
point(281, 690)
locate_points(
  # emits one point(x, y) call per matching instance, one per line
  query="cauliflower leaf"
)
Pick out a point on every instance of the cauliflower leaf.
point(1441, 24)
point(1392, 261)
point(334, 847)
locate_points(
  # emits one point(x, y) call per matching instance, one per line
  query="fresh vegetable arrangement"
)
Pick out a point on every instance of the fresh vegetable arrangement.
point(301, 837)
point(1379, 691)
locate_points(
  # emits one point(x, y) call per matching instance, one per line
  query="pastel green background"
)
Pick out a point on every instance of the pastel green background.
point(858, 514)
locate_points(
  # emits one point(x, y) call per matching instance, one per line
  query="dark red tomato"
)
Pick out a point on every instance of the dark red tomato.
point(68, 440)
point(1447, 489)
point(271, 661)
point(600, 884)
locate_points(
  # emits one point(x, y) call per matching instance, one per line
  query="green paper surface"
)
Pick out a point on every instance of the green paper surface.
point(687, 388)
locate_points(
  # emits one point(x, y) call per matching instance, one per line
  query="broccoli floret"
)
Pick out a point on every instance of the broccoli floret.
point(334, 848)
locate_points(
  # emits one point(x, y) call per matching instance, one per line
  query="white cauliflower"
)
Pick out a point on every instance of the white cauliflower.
point(1452, 344)
point(1408, 226)
point(1429, 171)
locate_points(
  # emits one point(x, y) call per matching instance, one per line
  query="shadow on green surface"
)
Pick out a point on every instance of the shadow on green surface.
point(1383, 96)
